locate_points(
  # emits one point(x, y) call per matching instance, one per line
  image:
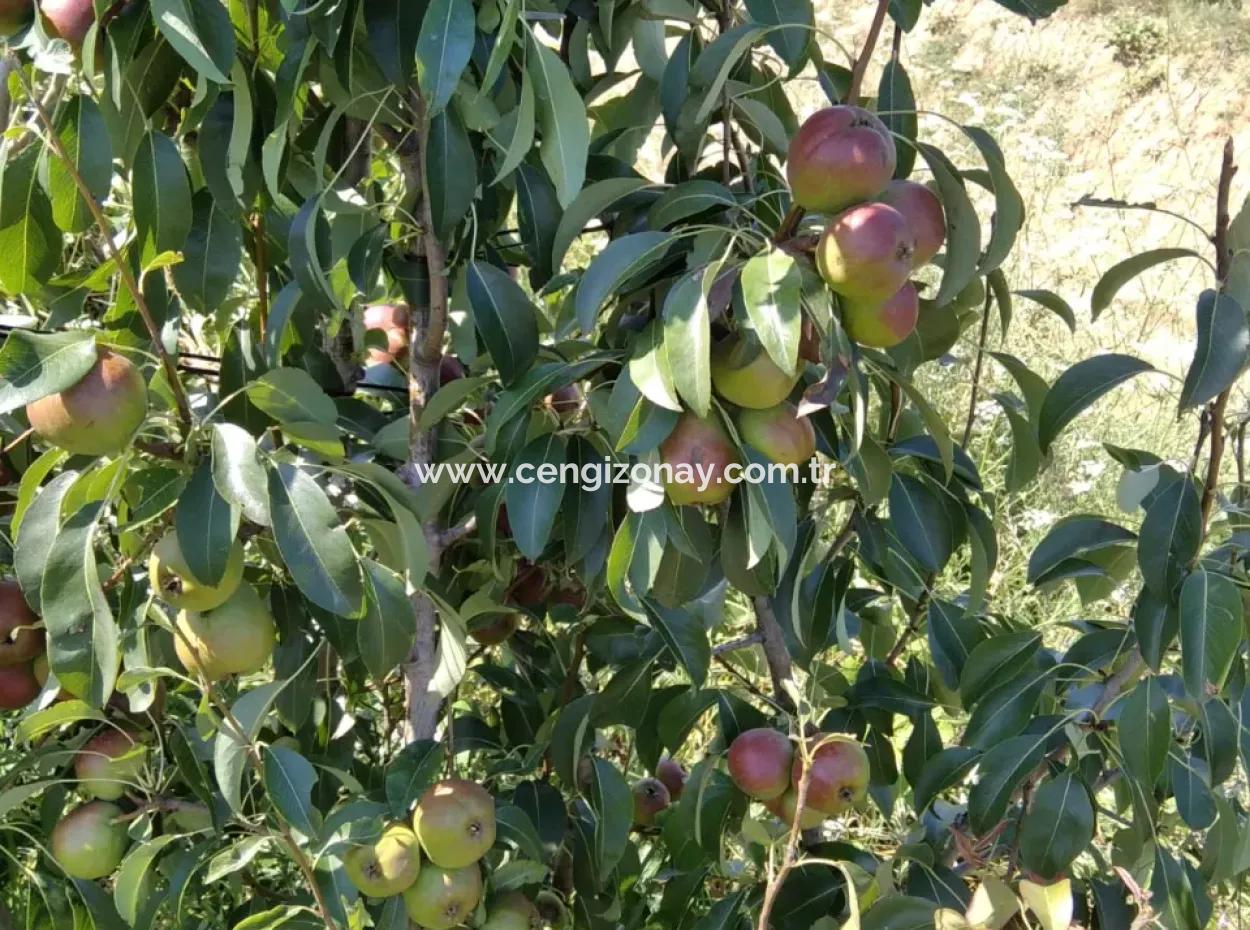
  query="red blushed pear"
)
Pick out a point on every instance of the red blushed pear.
point(866, 252)
point(670, 772)
point(839, 779)
point(702, 448)
point(493, 629)
point(392, 321)
point(87, 842)
point(924, 214)
point(650, 797)
point(99, 414)
point(110, 763)
point(18, 686)
point(759, 763)
point(450, 369)
point(20, 639)
point(14, 14)
point(455, 822)
point(841, 155)
point(780, 433)
point(744, 374)
point(69, 19)
point(882, 325)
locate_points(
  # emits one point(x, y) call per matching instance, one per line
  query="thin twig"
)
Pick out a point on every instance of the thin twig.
point(734, 645)
point(865, 54)
point(977, 368)
point(915, 617)
point(18, 441)
point(456, 533)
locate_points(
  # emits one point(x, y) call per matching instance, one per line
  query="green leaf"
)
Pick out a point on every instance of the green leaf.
point(504, 318)
point(995, 660)
point(211, 257)
point(1222, 351)
point(772, 289)
point(37, 533)
point(1003, 769)
point(451, 172)
point(686, 200)
point(206, 524)
point(1124, 272)
point(314, 542)
point(1079, 387)
point(387, 630)
point(688, 341)
point(133, 881)
point(1008, 204)
point(534, 504)
point(963, 228)
point(34, 365)
point(231, 746)
point(613, 804)
point(611, 268)
point(162, 197)
point(1144, 732)
point(83, 648)
point(1058, 826)
point(392, 27)
point(309, 245)
point(290, 395)
point(685, 637)
point(30, 242)
point(84, 138)
point(1211, 630)
point(594, 200)
point(522, 138)
point(712, 68)
point(940, 772)
point(896, 104)
point(239, 473)
point(562, 119)
point(1006, 710)
point(200, 32)
point(443, 50)
point(415, 768)
point(289, 783)
point(1054, 303)
point(921, 522)
point(1070, 539)
point(1170, 536)
point(899, 912)
point(798, 21)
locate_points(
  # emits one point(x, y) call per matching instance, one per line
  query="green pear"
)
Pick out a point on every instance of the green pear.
point(387, 867)
point(172, 579)
point(455, 822)
point(87, 843)
point(236, 638)
point(513, 911)
point(443, 898)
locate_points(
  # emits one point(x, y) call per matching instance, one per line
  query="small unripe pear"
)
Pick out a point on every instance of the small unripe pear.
point(236, 638)
point(670, 772)
point(443, 898)
point(784, 807)
point(387, 867)
point(744, 374)
point(173, 581)
point(110, 763)
point(513, 911)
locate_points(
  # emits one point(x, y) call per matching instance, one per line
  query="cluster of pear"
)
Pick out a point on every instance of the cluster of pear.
point(763, 764)
point(841, 163)
point(454, 826)
point(222, 629)
point(22, 657)
point(90, 841)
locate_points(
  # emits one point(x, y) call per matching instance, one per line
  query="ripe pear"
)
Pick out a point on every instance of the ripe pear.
point(455, 822)
point(650, 797)
point(101, 412)
point(172, 579)
point(839, 779)
point(866, 252)
point(443, 898)
point(236, 638)
point(87, 843)
point(759, 763)
point(387, 867)
point(924, 214)
point(68, 19)
point(513, 911)
point(840, 156)
point(780, 433)
point(392, 321)
point(109, 763)
point(882, 324)
point(18, 686)
point(671, 773)
point(20, 638)
point(744, 374)
point(701, 448)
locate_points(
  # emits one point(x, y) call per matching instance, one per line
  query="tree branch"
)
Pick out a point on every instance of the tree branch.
point(775, 651)
point(865, 54)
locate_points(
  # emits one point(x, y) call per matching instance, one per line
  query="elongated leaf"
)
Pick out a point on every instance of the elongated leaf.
point(1079, 387)
point(534, 504)
point(34, 365)
point(1058, 826)
point(963, 228)
point(83, 648)
point(1008, 204)
point(200, 32)
point(206, 524)
point(594, 200)
point(562, 119)
point(611, 268)
point(38, 531)
point(1144, 732)
point(162, 197)
point(1054, 303)
point(1002, 770)
point(239, 473)
point(1222, 351)
point(392, 27)
point(131, 883)
point(232, 746)
point(290, 395)
point(313, 542)
point(1211, 630)
point(84, 138)
point(771, 291)
point(688, 199)
point(289, 781)
point(1121, 274)
point(688, 341)
point(1170, 536)
point(798, 21)
point(504, 318)
point(921, 522)
point(613, 804)
point(896, 103)
point(30, 242)
point(443, 49)
point(1072, 538)
point(211, 258)
point(451, 172)
point(685, 637)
